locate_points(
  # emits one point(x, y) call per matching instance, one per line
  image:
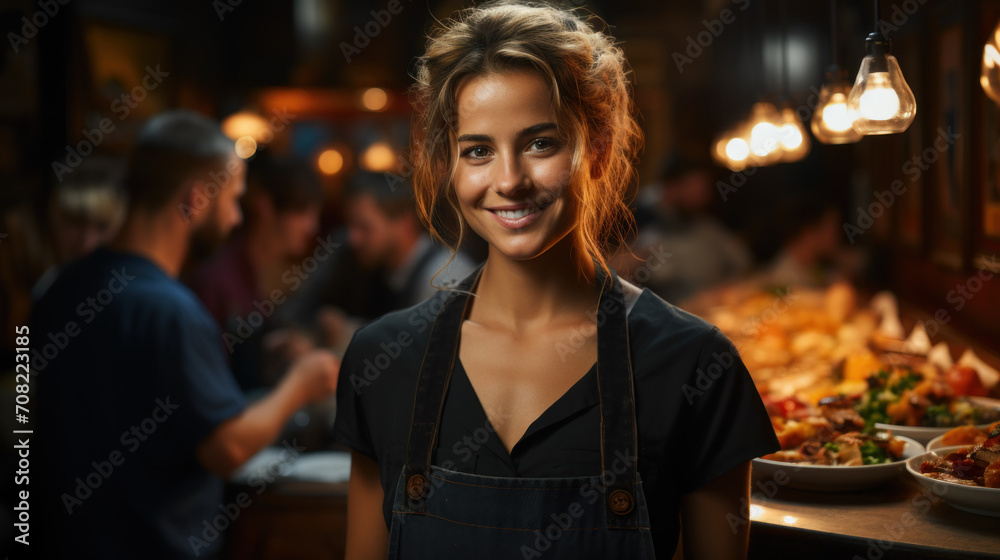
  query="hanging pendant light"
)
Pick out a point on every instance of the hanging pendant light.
point(765, 133)
point(794, 138)
point(880, 101)
point(830, 122)
point(989, 76)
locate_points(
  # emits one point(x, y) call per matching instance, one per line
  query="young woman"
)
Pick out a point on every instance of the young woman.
point(543, 406)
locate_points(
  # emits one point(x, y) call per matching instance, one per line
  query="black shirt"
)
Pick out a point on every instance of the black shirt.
point(697, 410)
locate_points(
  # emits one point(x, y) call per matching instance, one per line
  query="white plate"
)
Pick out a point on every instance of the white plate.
point(922, 434)
point(925, 435)
point(938, 443)
point(973, 499)
point(824, 478)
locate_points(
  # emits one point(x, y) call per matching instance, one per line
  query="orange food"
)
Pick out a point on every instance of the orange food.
point(991, 476)
point(963, 435)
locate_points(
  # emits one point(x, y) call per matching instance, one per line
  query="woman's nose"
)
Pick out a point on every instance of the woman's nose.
point(512, 176)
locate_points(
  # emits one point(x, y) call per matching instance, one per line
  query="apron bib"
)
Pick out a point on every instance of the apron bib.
point(439, 514)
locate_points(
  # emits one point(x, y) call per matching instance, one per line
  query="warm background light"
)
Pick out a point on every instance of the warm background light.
point(246, 146)
point(243, 124)
point(330, 162)
point(378, 157)
point(374, 99)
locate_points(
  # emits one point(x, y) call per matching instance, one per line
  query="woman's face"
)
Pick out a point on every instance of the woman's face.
point(513, 170)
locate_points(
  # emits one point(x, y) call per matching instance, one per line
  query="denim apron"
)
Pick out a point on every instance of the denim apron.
point(440, 514)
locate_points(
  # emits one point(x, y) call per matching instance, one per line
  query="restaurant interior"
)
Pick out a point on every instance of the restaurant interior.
point(820, 180)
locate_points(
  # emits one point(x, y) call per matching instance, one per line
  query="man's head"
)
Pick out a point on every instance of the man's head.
point(381, 219)
point(283, 201)
point(86, 209)
point(183, 163)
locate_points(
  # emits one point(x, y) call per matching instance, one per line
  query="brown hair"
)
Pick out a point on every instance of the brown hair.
point(586, 73)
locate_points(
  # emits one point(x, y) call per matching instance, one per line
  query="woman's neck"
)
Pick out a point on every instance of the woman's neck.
point(519, 294)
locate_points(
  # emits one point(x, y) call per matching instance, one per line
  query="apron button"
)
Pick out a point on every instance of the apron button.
point(621, 501)
point(415, 486)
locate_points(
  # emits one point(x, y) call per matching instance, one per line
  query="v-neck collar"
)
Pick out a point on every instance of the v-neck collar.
point(470, 413)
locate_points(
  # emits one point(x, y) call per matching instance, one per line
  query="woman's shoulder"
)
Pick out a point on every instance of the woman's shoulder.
point(654, 322)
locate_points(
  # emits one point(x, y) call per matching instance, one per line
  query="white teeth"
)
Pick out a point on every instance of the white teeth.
point(515, 214)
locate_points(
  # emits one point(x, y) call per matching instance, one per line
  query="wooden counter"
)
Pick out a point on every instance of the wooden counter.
point(900, 520)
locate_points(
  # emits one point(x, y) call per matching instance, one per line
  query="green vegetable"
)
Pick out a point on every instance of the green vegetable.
point(832, 447)
point(872, 454)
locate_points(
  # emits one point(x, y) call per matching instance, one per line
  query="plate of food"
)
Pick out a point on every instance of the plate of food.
point(851, 461)
point(967, 477)
point(909, 403)
point(964, 435)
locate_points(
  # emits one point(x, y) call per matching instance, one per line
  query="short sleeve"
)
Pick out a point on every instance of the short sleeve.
point(349, 427)
point(199, 389)
point(728, 422)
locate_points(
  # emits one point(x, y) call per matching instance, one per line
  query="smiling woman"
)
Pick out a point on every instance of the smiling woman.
point(543, 413)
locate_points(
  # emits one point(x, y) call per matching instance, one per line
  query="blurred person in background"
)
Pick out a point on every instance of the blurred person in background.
point(282, 206)
point(139, 419)
point(811, 255)
point(673, 218)
point(386, 261)
point(386, 235)
point(85, 212)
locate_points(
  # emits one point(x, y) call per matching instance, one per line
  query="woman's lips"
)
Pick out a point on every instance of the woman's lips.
point(519, 217)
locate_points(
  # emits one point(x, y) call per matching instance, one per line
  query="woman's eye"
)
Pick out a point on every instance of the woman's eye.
point(476, 152)
point(542, 144)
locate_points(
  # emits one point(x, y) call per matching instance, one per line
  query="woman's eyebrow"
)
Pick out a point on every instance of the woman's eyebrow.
point(533, 129)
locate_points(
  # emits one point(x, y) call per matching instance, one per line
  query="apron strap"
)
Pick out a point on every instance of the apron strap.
point(619, 440)
point(432, 387)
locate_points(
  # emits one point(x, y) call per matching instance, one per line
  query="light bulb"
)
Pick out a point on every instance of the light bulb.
point(830, 122)
point(765, 133)
point(792, 135)
point(989, 75)
point(880, 101)
point(834, 114)
point(737, 150)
